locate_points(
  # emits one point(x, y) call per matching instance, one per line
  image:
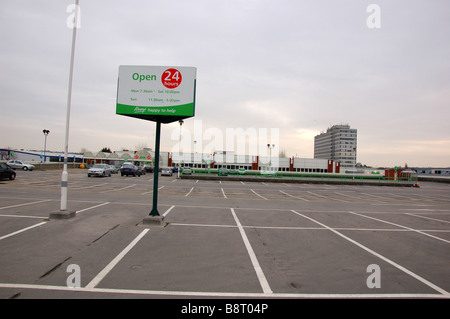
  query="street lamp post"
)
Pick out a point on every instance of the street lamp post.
point(63, 212)
point(179, 149)
point(65, 174)
point(45, 145)
point(270, 153)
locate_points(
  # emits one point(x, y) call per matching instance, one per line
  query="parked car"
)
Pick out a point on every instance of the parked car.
point(148, 168)
point(7, 172)
point(142, 170)
point(166, 171)
point(186, 171)
point(223, 171)
point(113, 169)
point(129, 169)
point(99, 170)
point(20, 164)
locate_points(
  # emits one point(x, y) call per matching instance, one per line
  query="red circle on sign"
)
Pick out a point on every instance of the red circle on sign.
point(171, 78)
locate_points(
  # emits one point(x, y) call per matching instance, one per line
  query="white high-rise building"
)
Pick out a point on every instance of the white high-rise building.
point(338, 143)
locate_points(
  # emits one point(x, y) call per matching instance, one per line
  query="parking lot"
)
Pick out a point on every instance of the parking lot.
point(222, 239)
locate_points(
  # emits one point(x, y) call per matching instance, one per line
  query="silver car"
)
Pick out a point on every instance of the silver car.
point(99, 170)
point(20, 164)
point(113, 169)
point(166, 171)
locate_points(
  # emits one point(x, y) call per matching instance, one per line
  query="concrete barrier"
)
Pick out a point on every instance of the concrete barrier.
point(55, 166)
point(430, 178)
point(244, 178)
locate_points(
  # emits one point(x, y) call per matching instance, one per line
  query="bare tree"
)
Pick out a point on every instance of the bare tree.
point(7, 154)
point(140, 146)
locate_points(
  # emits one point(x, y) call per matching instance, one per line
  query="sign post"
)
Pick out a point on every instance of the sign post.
point(154, 211)
point(162, 94)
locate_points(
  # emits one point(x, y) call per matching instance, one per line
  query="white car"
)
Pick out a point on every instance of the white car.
point(99, 170)
point(166, 171)
point(20, 164)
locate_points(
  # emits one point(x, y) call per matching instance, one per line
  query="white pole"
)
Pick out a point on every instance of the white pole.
point(65, 174)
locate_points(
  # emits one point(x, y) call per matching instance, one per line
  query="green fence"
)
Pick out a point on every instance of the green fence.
point(303, 176)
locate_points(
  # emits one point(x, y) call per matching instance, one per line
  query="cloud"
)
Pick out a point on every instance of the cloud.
point(294, 65)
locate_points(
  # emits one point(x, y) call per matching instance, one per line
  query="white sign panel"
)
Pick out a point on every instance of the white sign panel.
point(165, 93)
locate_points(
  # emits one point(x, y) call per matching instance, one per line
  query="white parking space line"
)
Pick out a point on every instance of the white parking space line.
point(40, 182)
point(215, 294)
point(426, 217)
point(18, 205)
point(118, 189)
point(348, 195)
point(412, 274)
point(259, 272)
point(299, 227)
point(102, 274)
point(329, 187)
point(318, 195)
point(401, 226)
point(375, 197)
point(23, 216)
point(168, 211)
point(339, 200)
point(294, 196)
point(21, 230)
point(189, 192)
point(283, 199)
point(86, 187)
point(202, 225)
point(159, 188)
point(258, 194)
point(83, 210)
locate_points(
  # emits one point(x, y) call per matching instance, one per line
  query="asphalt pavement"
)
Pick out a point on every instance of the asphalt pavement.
point(222, 239)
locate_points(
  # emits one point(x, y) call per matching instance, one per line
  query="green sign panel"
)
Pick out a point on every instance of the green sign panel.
point(156, 93)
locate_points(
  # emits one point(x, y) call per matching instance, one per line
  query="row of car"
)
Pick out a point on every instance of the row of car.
point(106, 170)
point(127, 169)
point(7, 170)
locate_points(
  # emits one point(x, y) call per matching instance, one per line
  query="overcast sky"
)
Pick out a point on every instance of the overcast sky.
point(296, 65)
